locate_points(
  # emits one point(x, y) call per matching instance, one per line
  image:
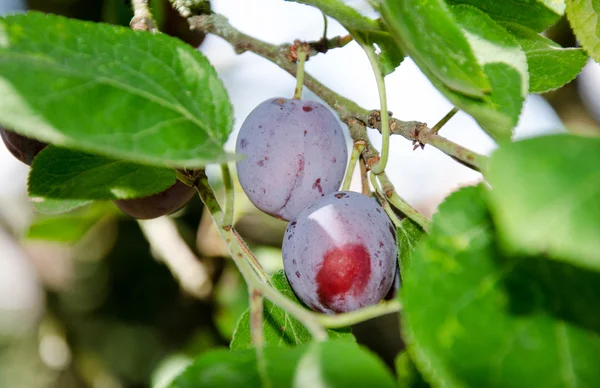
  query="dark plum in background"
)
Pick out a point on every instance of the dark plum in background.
point(296, 152)
point(339, 253)
point(23, 148)
point(160, 204)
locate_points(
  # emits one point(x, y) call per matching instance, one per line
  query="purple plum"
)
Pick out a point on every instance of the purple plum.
point(296, 152)
point(340, 253)
point(23, 148)
point(160, 204)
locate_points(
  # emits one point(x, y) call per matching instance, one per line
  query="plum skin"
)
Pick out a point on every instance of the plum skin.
point(166, 202)
point(340, 253)
point(296, 152)
point(23, 148)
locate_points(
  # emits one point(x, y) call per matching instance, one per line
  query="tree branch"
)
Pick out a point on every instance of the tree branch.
point(354, 115)
point(142, 17)
point(280, 55)
point(187, 8)
point(347, 109)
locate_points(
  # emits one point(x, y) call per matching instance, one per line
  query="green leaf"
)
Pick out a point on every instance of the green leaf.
point(389, 55)
point(57, 206)
point(583, 16)
point(110, 90)
point(505, 65)
point(61, 173)
point(341, 364)
point(238, 369)
point(546, 197)
point(69, 228)
point(279, 327)
point(428, 33)
point(550, 65)
point(535, 14)
point(325, 364)
point(407, 373)
point(408, 235)
point(503, 62)
point(475, 317)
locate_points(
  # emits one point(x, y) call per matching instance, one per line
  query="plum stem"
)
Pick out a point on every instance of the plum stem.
point(384, 202)
point(142, 17)
point(324, 27)
point(190, 178)
point(357, 150)
point(251, 258)
point(436, 128)
point(357, 316)
point(366, 190)
point(359, 131)
point(301, 52)
point(378, 167)
point(399, 203)
point(242, 261)
point(229, 195)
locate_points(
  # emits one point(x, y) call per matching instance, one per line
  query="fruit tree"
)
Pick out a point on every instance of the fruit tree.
point(500, 288)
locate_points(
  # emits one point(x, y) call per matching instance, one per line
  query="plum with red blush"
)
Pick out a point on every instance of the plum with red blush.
point(340, 253)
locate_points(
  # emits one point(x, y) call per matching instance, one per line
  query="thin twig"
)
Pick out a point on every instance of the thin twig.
point(354, 157)
point(384, 202)
point(301, 52)
point(250, 256)
point(379, 166)
point(363, 178)
point(187, 8)
point(399, 203)
point(436, 128)
point(354, 317)
point(142, 17)
point(459, 153)
point(370, 154)
point(229, 195)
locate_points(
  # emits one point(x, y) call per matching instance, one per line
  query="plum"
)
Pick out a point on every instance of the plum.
point(296, 152)
point(340, 253)
point(23, 148)
point(393, 292)
point(160, 204)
